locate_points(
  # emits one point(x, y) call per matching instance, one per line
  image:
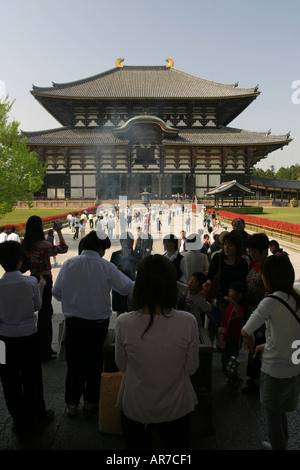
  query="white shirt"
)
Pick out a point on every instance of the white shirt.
point(14, 236)
point(196, 262)
point(84, 284)
point(156, 386)
point(282, 329)
point(20, 298)
point(3, 237)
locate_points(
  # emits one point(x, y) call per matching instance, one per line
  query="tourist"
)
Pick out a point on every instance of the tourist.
point(91, 220)
point(52, 239)
point(84, 286)
point(257, 249)
point(138, 241)
point(147, 243)
point(196, 302)
point(82, 225)
point(13, 235)
point(110, 227)
point(226, 267)
point(280, 370)
point(21, 375)
point(239, 224)
point(69, 219)
point(38, 251)
point(233, 320)
point(196, 260)
point(156, 392)
point(170, 243)
point(206, 245)
point(275, 248)
point(126, 261)
point(3, 235)
point(76, 227)
point(182, 246)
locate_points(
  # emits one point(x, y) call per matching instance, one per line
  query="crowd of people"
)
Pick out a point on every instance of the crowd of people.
point(238, 286)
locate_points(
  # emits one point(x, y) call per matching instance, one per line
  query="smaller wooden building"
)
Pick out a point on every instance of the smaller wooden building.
point(232, 191)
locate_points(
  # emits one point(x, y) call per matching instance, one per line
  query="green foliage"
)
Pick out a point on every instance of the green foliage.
point(294, 202)
point(21, 173)
point(289, 173)
point(245, 210)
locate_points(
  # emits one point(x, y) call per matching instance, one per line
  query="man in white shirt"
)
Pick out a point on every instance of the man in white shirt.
point(182, 242)
point(84, 285)
point(197, 262)
point(171, 246)
point(13, 235)
point(3, 234)
point(76, 227)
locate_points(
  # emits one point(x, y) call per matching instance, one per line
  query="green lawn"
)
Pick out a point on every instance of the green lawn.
point(19, 216)
point(284, 214)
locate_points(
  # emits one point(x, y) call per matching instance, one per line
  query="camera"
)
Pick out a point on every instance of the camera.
point(57, 225)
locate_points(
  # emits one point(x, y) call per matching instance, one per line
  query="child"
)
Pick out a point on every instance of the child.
point(196, 302)
point(233, 321)
point(21, 374)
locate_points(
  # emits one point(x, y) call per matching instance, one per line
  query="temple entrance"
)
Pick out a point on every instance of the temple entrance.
point(146, 183)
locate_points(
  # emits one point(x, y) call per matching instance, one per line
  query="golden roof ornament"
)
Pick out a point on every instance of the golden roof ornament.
point(170, 63)
point(119, 62)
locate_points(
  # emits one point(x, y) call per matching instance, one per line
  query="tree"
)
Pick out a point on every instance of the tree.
point(21, 173)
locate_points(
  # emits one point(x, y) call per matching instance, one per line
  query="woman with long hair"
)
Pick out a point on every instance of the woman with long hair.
point(280, 365)
point(38, 251)
point(157, 349)
point(227, 266)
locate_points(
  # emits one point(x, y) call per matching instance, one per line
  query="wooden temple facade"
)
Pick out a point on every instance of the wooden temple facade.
point(146, 128)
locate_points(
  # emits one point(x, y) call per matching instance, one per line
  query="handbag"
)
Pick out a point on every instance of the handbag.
point(109, 412)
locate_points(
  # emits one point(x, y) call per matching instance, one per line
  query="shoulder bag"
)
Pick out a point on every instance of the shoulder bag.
point(286, 305)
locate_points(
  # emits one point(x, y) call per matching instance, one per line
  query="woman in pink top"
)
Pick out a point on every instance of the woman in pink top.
point(157, 348)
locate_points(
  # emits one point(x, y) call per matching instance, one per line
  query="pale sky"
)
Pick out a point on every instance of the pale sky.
point(254, 42)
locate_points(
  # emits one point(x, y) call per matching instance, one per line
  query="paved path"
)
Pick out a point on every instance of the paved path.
point(239, 420)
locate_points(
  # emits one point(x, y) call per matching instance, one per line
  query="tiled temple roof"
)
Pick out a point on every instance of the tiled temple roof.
point(104, 136)
point(274, 183)
point(148, 82)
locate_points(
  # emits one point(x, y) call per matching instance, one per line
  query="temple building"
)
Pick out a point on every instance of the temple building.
point(158, 129)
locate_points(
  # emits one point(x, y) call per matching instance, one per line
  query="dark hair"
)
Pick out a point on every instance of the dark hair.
point(11, 252)
point(93, 242)
point(240, 288)
point(242, 221)
point(258, 241)
point(155, 286)
point(236, 238)
point(201, 277)
point(274, 243)
point(33, 232)
point(126, 237)
point(172, 238)
point(280, 276)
